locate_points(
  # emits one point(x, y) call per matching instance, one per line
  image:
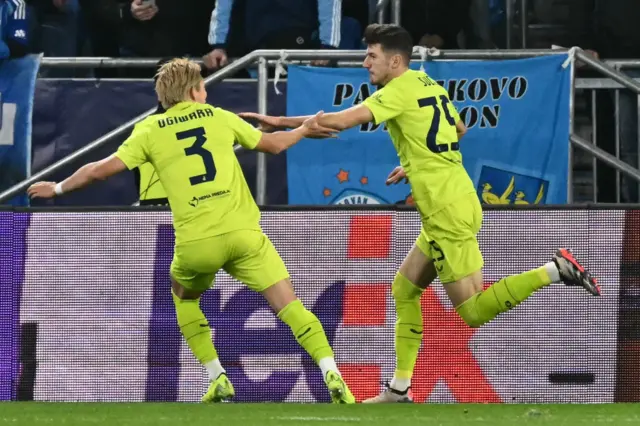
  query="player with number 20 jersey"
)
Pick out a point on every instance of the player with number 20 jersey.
point(422, 124)
point(426, 131)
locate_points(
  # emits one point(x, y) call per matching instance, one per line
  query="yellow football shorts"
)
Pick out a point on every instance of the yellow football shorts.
point(246, 255)
point(449, 238)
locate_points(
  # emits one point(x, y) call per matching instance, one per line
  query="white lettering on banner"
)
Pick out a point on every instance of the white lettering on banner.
point(93, 306)
point(9, 112)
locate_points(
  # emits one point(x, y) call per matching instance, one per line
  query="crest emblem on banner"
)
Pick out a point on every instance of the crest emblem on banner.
point(497, 186)
point(342, 189)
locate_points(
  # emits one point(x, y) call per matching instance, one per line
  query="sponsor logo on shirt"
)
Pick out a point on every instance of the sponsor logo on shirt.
point(196, 200)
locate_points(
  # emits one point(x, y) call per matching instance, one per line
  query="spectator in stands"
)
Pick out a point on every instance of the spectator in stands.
point(148, 28)
point(54, 27)
point(241, 26)
point(486, 24)
point(356, 15)
point(14, 29)
point(436, 23)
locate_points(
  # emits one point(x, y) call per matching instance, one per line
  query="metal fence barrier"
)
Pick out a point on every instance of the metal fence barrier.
point(266, 58)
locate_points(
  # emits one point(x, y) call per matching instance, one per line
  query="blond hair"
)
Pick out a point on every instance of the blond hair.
point(175, 79)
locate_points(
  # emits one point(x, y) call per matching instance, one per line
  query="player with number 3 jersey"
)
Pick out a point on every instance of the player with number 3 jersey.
point(426, 131)
point(216, 220)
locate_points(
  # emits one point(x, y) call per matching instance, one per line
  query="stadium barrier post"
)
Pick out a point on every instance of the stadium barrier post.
point(261, 165)
point(381, 9)
point(395, 11)
point(524, 25)
point(572, 113)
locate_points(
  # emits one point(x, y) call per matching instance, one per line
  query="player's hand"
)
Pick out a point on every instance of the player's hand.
point(431, 40)
point(396, 176)
point(314, 130)
point(216, 59)
point(320, 62)
point(588, 52)
point(142, 11)
point(267, 123)
point(42, 190)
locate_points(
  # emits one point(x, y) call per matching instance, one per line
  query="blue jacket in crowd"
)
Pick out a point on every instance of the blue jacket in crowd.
point(13, 28)
point(265, 17)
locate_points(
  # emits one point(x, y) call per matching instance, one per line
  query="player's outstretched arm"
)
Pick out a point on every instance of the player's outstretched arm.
point(461, 129)
point(340, 120)
point(275, 143)
point(86, 174)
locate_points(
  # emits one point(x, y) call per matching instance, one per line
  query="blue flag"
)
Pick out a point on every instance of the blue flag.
point(17, 89)
point(516, 150)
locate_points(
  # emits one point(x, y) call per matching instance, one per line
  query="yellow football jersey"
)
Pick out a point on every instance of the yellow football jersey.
point(191, 148)
point(422, 124)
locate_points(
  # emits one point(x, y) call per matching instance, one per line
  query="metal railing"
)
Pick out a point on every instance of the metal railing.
point(265, 58)
point(599, 85)
point(381, 9)
point(614, 76)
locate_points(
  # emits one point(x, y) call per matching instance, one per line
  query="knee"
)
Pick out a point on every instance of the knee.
point(469, 313)
point(473, 322)
point(404, 290)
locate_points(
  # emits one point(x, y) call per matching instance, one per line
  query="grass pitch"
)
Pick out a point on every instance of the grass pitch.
point(143, 414)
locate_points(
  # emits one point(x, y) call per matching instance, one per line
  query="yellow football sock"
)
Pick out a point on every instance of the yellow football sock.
point(307, 330)
point(408, 325)
point(195, 329)
point(502, 296)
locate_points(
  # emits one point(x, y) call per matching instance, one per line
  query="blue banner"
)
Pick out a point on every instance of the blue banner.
point(516, 150)
point(17, 89)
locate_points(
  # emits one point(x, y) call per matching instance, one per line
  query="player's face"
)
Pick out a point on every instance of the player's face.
point(199, 94)
point(378, 65)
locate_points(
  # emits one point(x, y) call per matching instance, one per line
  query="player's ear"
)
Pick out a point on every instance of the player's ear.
point(193, 94)
point(396, 61)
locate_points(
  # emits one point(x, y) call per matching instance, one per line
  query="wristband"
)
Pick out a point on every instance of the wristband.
point(58, 189)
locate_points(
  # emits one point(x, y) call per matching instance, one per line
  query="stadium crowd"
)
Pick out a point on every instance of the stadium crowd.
point(218, 30)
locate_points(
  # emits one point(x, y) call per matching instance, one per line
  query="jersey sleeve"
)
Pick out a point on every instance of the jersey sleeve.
point(219, 25)
point(246, 135)
point(133, 151)
point(17, 25)
point(385, 104)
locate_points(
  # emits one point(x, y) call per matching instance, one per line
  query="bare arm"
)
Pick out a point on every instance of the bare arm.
point(275, 143)
point(99, 170)
point(461, 129)
point(85, 175)
point(341, 120)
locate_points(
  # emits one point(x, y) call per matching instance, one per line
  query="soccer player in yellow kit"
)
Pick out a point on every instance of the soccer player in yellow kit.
point(426, 129)
point(215, 218)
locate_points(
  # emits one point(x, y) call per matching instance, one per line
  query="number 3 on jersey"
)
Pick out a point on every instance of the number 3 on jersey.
point(198, 149)
point(432, 143)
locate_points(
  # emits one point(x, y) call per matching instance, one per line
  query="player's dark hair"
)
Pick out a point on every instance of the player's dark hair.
point(392, 38)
